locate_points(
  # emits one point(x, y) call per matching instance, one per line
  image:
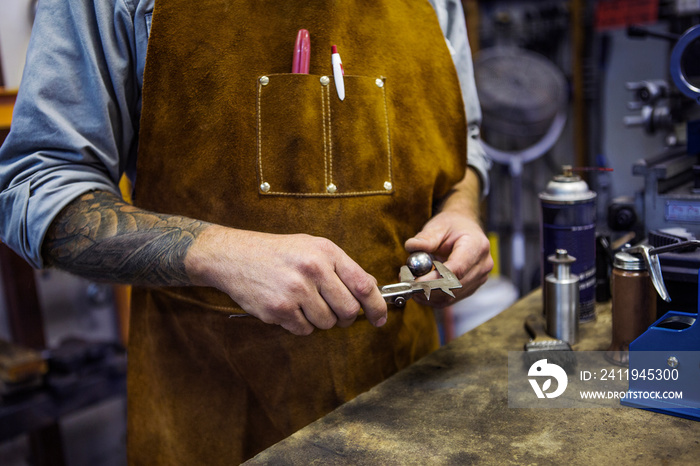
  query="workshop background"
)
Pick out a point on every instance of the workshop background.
point(580, 92)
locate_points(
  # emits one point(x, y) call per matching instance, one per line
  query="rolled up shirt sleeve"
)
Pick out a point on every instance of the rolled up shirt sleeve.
point(75, 121)
point(451, 18)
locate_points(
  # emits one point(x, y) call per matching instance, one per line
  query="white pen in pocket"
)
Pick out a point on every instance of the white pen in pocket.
point(338, 72)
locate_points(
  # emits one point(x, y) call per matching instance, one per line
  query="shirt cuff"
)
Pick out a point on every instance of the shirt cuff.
point(479, 161)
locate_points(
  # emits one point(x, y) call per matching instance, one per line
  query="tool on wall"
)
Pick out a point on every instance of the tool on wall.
point(670, 107)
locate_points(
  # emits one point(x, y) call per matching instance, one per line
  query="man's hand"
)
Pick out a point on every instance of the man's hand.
point(300, 282)
point(455, 237)
point(297, 281)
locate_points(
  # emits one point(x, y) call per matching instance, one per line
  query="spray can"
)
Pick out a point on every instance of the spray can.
point(568, 221)
point(562, 291)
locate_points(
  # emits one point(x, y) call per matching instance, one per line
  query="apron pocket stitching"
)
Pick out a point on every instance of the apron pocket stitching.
point(348, 194)
point(388, 135)
point(329, 188)
point(330, 140)
point(325, 137)
point(260, 165)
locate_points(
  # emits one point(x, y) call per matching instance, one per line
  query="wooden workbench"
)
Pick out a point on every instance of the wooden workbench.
point(451, 407)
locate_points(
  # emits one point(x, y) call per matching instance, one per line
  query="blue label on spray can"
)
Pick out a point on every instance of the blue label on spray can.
point(571, 226)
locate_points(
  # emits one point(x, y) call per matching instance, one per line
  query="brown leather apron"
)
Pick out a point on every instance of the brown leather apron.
point(219, 143)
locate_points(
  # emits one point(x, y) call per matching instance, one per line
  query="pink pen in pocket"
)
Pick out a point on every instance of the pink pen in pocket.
point(302, 53)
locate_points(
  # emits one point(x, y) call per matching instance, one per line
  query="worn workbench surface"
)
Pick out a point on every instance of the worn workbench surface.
point(451, 407)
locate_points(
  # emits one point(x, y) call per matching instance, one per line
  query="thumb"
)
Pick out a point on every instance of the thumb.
point(423, 241)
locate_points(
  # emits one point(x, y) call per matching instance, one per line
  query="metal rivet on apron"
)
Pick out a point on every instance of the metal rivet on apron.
point(331, 188)
point(265, 186)
point(325, 80)
point(264, 80)
point(379, 82)
point(388, 185)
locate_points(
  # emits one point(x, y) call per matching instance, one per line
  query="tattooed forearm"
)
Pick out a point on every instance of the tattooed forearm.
point(101, 237)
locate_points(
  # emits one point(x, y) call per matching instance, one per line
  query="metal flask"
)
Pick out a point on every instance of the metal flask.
point(568, 221)
point(562, 291)
point(633, 304)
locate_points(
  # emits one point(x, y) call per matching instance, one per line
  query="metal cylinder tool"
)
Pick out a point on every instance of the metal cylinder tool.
point(562, 298)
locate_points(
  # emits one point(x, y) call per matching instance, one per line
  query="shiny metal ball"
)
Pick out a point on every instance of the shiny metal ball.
point(419, 263)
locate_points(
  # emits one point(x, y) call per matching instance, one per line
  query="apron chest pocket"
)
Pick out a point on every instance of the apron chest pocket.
point(310, 143)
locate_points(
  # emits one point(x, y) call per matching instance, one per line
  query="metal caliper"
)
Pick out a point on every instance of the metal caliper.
point(417, 265)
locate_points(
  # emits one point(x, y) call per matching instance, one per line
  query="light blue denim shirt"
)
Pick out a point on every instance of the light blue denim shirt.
point(75, 123)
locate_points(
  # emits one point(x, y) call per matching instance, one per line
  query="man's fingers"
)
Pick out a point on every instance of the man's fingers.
point(423, 241)
point(470, 260)
point(314, 285)
point(461, 260)
point(317, 311)
point(364, 289)
point(297, 324)
point(343, 304)
point(367, 292)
